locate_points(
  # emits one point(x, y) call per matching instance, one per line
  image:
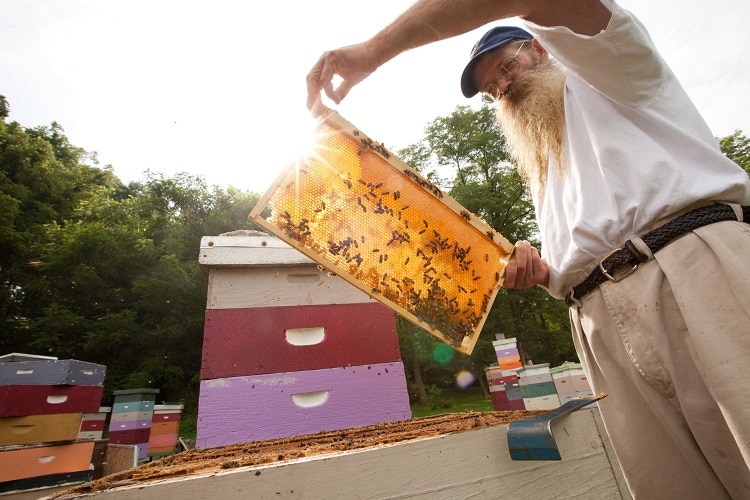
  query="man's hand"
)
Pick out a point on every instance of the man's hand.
point(526, 268)
point(353, 64)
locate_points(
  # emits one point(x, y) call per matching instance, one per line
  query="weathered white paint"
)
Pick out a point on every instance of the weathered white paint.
point(293, 285)
point(474, 464)
point(248, 251)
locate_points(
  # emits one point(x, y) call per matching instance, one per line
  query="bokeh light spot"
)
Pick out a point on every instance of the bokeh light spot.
point(442, 353)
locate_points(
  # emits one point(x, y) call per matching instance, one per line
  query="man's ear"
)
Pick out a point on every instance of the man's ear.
point(539, 49)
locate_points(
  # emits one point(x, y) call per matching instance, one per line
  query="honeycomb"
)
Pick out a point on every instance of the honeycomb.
point(363, 214)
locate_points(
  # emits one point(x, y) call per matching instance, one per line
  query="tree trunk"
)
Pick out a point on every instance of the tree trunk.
point(417, 370)
point(515, 309)
point(482, 378)
point(552, 354)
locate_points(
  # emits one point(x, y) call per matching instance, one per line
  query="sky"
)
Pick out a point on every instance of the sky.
point(217, 89)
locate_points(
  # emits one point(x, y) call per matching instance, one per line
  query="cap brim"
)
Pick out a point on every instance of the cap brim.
point(467, 77)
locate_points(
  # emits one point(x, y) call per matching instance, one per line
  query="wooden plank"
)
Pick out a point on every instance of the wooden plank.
point(89, 435)
point(127, 416)
point(22, 400)
point(535, 390)
point(474, 464)
point(547, 402)
point(166, 416)
point(92, 425)
point(165, 428)
point(131, 407)
point(141, 394)
point(263, 340)
point(241, 287)
point(39, 428)
point(252, 408)
point(52, 372)
point(169, 409)
point(129, 425)
point(161, 441)
point(18, 356)
point(98, 456)
point(544, 378)
point(135, 436)
point(511, 351)
point(507, 360)
point(501, 402)
point(250, 251)
point(119, 457)
point(352, 204)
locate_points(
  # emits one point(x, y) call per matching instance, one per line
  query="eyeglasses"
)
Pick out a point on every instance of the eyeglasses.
point(510, 66)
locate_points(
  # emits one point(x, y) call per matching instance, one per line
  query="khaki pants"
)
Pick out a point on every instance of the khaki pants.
point(670, 345)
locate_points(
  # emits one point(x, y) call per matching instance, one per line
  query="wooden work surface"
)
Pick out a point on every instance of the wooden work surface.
point(449, 456)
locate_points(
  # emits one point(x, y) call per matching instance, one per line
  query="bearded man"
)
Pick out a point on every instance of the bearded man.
point(643, 222)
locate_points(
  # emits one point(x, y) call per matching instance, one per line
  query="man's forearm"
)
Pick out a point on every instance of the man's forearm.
point(429, 21)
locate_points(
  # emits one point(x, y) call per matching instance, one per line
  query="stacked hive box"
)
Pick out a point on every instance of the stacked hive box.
point(165, 428)
point(132, 415)
point(503, 379)
point(571, 382)
point(289, 348)
point(508, 357)
point(92, 424)
point(537, 387)
point(42, 403)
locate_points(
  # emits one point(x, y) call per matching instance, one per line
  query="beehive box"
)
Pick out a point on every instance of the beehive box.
point(460, 455)
point(289, 348)
point(22, 400)
point(92, 424)
point(24, 462)
point(51, 372)
point(356, 209)
point(32, 429)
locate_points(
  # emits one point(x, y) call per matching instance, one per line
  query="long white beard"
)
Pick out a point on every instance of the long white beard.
point(531, 116)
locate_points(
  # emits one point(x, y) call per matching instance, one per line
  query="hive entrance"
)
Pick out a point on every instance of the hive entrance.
point(359, 211)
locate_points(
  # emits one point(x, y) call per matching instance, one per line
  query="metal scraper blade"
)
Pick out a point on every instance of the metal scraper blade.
point(532, 438)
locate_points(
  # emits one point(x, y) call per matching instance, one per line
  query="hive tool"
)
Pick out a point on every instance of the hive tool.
point(532, 438)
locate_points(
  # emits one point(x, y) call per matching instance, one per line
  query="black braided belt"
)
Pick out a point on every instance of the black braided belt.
point(629, 255)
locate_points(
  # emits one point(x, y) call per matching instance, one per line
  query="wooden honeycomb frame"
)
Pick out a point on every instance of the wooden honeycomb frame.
point(359, 211)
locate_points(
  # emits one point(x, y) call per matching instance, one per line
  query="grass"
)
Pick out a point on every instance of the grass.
point(457, 401)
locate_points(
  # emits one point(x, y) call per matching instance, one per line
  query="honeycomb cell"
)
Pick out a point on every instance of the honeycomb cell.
point(362, 213)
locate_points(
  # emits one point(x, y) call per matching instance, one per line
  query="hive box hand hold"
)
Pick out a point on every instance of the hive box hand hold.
point(359, 211)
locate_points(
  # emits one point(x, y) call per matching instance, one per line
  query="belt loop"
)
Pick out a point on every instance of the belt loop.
point(572, 300)
point(638, 248)
point(737, 209)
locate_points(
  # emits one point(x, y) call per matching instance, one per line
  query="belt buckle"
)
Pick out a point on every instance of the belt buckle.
point(622, 276)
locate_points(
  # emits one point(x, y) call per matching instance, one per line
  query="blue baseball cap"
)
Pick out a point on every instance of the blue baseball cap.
point(493, 39)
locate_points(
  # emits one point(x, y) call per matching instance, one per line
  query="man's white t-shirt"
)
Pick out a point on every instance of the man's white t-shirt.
point(636, 148)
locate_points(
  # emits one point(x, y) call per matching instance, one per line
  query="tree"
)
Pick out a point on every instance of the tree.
point(737, 148)
point(43, 180)
point(95, 270)
point(4, 108)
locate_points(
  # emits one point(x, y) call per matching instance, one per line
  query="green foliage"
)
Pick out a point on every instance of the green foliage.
point(4, 108)
point(95, 270)
point(435, 398)
point(737, 148)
